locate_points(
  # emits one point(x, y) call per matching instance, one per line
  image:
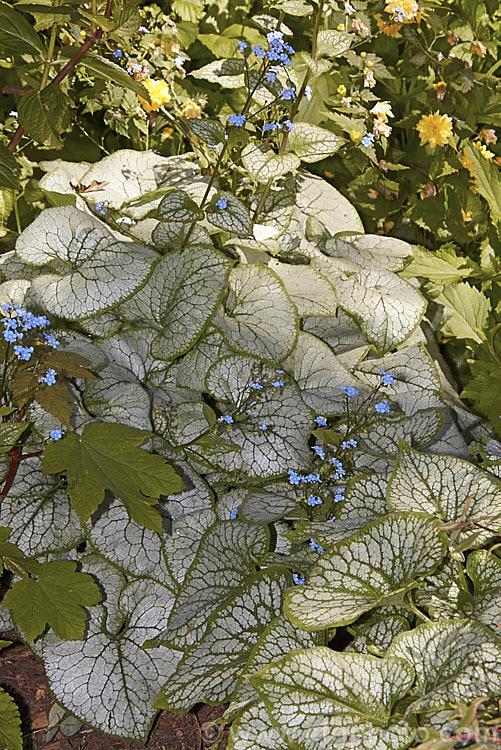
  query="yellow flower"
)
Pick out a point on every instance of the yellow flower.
point(389, 29)
point(159, 92)
point(382, 110)
point(340, 27)
point(191, 109)
point(355, 136)
point(405, 10)
point(341, 90)
point(435, 129)
point(489, 155)
point(466, 161)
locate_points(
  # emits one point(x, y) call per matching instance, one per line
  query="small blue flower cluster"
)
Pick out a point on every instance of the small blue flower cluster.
point(298, 578)
point(321, 421)
point(289, 94)
point(233, 514)
point(295, 478)
point(18, 321)
point(238, 120)
point(56, 434)
point(339, 496)
point(222, 203)
point(387, 377)
point(383, 407)
point(315, 547)
point(340, 472)
point(103, 206)
point(228, 419)
point(49, 378)
point(314, 500)
point(279, 51)
point(368, 140)
point(347, 444)
point(118, 53)
point(319, 451)
point(349, 391)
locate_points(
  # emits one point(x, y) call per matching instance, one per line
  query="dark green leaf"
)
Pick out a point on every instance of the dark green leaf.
point(45, 115)
point(8, 169)
point(17, 34)
point(107, 456)
point(57, 598)
point(11, 737)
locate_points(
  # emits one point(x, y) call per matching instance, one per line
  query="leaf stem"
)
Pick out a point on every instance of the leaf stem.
point(50, 52)
point(94, 38)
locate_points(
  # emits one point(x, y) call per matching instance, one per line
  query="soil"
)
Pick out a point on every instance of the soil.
point(22, 675)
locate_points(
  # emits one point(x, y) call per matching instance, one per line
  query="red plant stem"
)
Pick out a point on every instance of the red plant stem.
point(15, 458)
point(93, 39)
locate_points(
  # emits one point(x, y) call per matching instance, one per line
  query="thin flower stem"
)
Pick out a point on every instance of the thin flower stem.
point(50, 53)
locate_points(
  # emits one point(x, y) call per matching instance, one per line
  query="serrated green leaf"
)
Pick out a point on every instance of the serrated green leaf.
point(11, 737)
point(108, 680)
point(332, 43)
point(352, 577)
point(268, 453)
point(263, 164)
point(107, 456)
point(209, 672)
point(57, 598)
point(247, 325)
point(319, 375)
point(486, 180)
point(17, 34)
point(444, 486)
point(329, 701)
point(44, 114)
point(312, 143)
point(463, 661)
point(105, 69)
point(441, 268)
point(224, 559)
point(39, 512)
point(235, 218)
point(178, 206)
point(8, 169)
point(467, 311)
point(92, 271)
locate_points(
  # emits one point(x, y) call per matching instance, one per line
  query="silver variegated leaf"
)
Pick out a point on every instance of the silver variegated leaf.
point(228, 73)
point(39, 512)
point(108, 680)
point(307, 288)
point(253, 730)
point(319, 375)
point(263, 453)
point(210, 671)
point(377, 633)
point(454, 661)
point(247, 325)
point(380, 562)
point(340, 332)
point(312, 143)
point(263, 164)
point(271, 503)
point(323, 700)
point(444, 486)
point(224, 559)
point(178, 206)
point(180, 298)
point(370, 251)
point(316, 198)
point(90, 271)
point(383, 438)
point(234, 218)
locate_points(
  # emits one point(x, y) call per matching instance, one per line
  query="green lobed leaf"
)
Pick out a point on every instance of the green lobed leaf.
point(467, 311)
point(210, 670)
point(107, 456)
point(11, 737)
point(247, 325)
point(235, 218)
point(263, 164)
point(45, 115)
point(17, 34)
point(463, 661)
point(107, 70)
point(56, 597)
point(311, 143)
point(486, 180)
point(89, 270)
point(8, 169)
point(329, 701)
point(382, 560)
